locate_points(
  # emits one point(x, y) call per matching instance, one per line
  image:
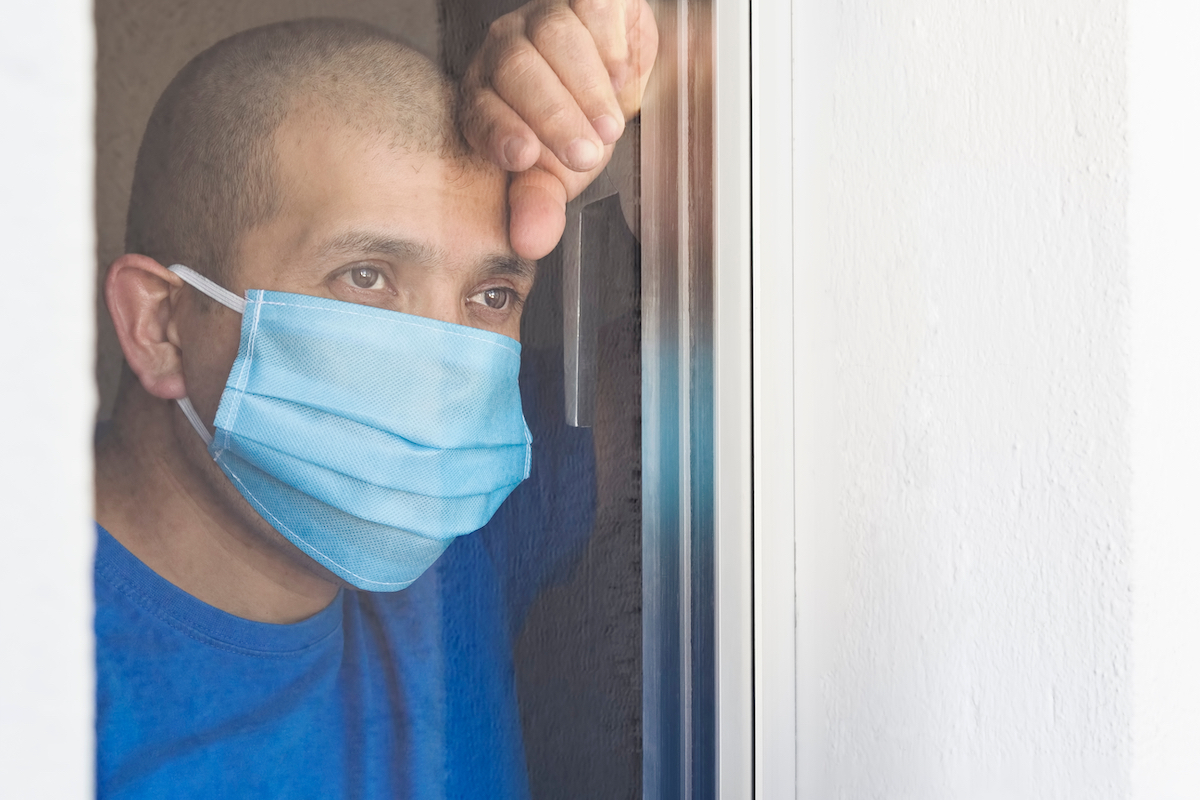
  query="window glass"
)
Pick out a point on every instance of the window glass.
point(360, 379)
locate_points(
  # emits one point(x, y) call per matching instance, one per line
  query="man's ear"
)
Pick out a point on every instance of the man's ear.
point(140, 293)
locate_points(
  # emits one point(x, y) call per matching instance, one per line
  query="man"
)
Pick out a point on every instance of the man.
point(319, 160)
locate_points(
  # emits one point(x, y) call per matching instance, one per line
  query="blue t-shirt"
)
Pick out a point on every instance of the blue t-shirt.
point(401, 695)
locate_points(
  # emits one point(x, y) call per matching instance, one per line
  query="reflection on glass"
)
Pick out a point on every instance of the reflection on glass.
point(355, 537)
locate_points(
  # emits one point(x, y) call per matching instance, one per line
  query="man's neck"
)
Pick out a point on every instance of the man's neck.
point(172, 511)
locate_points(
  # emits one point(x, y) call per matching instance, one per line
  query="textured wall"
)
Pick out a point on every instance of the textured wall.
point(141, 44)
point(978, 306)
point(48, 402)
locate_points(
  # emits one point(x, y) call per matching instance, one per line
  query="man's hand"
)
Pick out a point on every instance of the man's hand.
point(546, 97)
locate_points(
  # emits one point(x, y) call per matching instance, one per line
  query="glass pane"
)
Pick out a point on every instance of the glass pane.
point(578, 658)
point(678, 482)
point(241, 647)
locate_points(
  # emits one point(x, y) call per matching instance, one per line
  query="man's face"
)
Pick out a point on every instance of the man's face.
point(363, 222)
point(367, 222)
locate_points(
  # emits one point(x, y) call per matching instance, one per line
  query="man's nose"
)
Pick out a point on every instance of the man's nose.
point(442, 304)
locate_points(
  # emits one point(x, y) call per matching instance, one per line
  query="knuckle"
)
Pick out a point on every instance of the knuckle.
point(555, 116)
point(553, 29)
point(515, 62)
point(592, 91)
point(480, 120)
point(504, 28)
point(473, 112)
point(595, 9)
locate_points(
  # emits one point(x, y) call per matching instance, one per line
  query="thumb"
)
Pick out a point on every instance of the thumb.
point(537, 204)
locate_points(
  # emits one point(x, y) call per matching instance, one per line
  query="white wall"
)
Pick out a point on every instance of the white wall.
point(48, 402)
point(962, 454)
point(998, 469)
point(1164, 217)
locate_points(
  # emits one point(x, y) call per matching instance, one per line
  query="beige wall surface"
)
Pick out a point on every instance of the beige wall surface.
point(140, 45)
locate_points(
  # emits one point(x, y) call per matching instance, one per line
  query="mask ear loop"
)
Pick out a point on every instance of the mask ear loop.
point(224, 297)
point(189, 411)
point(214, 290)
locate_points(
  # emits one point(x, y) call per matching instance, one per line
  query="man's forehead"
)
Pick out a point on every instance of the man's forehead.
point(316, 149)
point(312, 122)
point(353, 189)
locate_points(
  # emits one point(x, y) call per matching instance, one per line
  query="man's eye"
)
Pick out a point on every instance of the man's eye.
point(366, 278)
point(494, 298)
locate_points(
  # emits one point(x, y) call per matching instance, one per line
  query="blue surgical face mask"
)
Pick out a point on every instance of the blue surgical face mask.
point(369, 438)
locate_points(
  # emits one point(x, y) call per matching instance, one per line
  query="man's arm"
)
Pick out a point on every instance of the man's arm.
point(548, 95)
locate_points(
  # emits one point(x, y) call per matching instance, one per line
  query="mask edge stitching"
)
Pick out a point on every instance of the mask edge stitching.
point(398, 584)
point(501, 345)
point(244, 376)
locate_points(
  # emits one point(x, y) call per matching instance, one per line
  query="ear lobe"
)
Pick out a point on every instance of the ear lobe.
point(139, 293)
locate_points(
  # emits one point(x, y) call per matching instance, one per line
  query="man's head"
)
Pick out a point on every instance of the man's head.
point(208, 170)
point(320, 157)
point(315, 157)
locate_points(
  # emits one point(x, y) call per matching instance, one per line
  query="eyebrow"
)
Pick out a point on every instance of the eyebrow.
point(511, 265)
point(358, 243)
point(361, 243)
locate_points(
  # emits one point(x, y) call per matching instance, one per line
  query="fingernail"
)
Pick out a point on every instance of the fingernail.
point(582, 154)
point(514, 150)
point(607, 128)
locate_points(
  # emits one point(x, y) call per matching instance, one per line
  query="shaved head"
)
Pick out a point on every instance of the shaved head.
point(206, 171)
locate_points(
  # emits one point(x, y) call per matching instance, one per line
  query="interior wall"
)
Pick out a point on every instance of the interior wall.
point(1164, 209)
point(976, 464)
point(48, 403)
point(141, 44)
